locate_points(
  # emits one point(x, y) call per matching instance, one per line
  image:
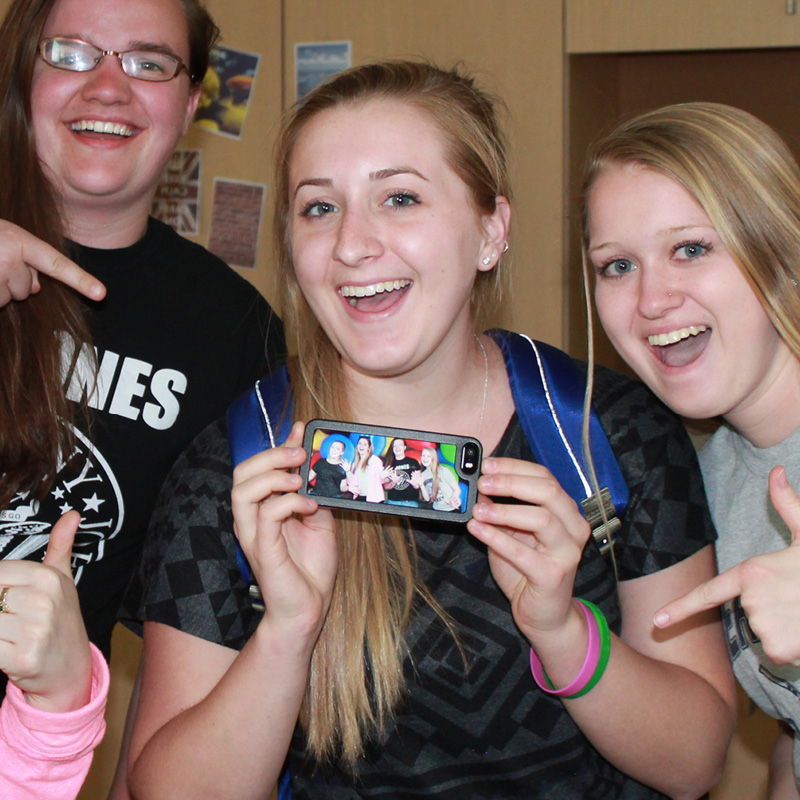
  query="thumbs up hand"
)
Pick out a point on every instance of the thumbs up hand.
point(769, 585)
point(44, 648)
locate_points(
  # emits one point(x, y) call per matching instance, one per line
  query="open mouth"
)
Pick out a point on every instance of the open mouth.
point(680, 347)
point(375, 297)
point(90, 126)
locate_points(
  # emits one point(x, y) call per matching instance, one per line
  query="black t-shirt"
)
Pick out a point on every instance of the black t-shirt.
point(487, 732)
point(329, 478)
point(179, 336)
point(402, 489)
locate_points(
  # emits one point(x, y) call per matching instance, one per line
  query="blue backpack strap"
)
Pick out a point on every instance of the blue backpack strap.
point(258, 420)
point(548, 391)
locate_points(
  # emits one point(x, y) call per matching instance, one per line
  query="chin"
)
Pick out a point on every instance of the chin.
point(684, 405)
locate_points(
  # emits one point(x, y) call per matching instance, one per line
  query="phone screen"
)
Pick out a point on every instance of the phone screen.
point(391, 470)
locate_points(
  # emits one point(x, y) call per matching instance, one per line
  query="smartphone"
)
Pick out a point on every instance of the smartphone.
point(398, 471)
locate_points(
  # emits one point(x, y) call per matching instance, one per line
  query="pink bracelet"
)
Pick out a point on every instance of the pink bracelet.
point(589, 664)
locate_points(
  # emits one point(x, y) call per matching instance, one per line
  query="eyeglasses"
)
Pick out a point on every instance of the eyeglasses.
point(79, 56)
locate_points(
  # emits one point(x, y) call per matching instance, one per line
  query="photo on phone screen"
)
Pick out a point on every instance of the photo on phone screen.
point(386, 470)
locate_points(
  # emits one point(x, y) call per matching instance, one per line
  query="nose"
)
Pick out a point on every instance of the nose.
point(107, 82)
point(358, 238)
point(659, 292)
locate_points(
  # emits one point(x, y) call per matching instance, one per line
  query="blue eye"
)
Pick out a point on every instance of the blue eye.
point(691, 250)
point(616, 268)
point(318, 209)
point(402, 200)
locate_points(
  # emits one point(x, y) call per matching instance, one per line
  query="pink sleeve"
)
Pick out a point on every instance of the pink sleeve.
point(375, 492)
point(46, 755)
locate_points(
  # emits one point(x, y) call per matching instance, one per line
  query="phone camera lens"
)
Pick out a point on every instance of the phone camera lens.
point(469, 459)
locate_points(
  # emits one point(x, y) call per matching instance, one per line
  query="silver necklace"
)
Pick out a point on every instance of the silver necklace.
point(485, 382)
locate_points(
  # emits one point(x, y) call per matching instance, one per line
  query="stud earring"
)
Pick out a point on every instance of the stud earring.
point(486, 261)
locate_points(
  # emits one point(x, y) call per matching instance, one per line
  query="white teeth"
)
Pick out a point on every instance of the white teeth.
point(373, 288)
point(102, 127)
point(663, 339)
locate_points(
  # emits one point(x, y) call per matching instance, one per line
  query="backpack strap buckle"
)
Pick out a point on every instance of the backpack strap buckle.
point(603, 528)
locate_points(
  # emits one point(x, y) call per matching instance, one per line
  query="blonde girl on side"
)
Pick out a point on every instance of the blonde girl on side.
point(439, 487)
point(692, 227)
point(394, 659)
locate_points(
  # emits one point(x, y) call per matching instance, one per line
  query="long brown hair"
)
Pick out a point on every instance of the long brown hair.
point(35, 416)
point(356, 674)
point(360, 462)
point(34, 411)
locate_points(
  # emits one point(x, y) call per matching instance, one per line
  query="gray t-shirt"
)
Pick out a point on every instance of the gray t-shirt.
point(736, 476)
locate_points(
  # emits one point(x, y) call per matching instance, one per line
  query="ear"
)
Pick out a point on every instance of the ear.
point(191, 107)
point(496, 228)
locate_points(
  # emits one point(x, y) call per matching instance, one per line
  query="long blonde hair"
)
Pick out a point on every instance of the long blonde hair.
point(742, 175)
point(356, 676)
point(434, 468)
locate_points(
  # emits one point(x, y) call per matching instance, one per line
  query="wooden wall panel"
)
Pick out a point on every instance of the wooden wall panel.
point(515, 49)
point(616, 26)
point(255, 27)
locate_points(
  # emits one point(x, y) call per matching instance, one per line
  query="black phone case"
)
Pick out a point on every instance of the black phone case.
point(459, 454)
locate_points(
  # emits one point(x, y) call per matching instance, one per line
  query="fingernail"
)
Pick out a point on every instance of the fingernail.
point(661, 619)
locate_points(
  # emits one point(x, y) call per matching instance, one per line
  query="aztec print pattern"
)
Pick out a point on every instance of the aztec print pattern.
point(480, 730)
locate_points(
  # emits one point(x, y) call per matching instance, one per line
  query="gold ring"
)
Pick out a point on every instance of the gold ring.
point(4, 609)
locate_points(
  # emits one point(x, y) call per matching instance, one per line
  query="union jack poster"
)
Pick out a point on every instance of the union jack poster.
point(177, 197)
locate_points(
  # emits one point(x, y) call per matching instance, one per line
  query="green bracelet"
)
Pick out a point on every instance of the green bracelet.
point(605, 649)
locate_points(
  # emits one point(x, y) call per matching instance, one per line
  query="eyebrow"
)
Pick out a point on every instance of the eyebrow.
point(378, 175)
point(156, 47)
point(667, 231)
point(383, 174)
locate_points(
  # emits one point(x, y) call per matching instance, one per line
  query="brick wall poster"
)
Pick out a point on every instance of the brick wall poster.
point(236, 221)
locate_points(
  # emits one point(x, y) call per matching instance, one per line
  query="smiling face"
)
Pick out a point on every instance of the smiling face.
point(118, 168)
point(399, 448)
point(673, 301)
point(385, 239)
point(336, 450)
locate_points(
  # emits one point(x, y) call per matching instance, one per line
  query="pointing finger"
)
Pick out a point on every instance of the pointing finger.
point(707, 595)
point(786, 501)
point(19, 247)
point(59, 267)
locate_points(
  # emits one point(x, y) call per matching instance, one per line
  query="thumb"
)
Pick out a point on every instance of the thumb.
point(59, 549)
point(786, 501)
